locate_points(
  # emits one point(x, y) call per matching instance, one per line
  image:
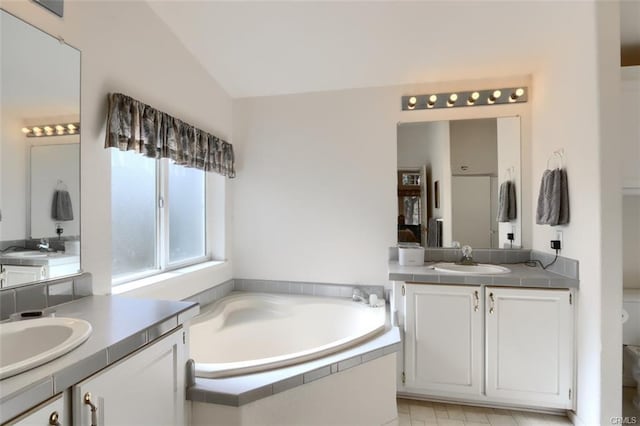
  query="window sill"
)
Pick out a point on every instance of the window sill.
point(165, 276)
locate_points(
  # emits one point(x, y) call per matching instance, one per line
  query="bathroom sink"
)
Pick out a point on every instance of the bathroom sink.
point(479, 269)
point(29, 254)
point(29, 343)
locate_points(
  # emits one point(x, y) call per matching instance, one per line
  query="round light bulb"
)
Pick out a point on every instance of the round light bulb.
point(453, 97)
point(475, 96)
point(519, 92)
point(71, 126)
point(37, 129)
point(433, 99)
point(60, 128)
point(26, 130)
point(48, 128)
point(497, 94)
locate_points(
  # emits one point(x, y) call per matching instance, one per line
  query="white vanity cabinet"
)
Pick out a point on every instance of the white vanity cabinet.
point(443, 335)
point(529, 345)
point(54, 412)
point(11, 275)
point(146, 388)
point(499, 345)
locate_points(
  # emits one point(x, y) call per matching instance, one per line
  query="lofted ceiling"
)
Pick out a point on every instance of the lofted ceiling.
point(271, 48)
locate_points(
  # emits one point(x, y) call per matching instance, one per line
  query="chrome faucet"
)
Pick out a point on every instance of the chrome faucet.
point(466, 258)
point(44, 245)
point(359, 295)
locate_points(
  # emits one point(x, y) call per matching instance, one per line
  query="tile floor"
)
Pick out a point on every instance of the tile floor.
point(423, 413)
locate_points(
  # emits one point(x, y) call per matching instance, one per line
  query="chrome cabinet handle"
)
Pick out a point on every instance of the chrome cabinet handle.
point(94, 409)
point(493, 303)
point(476, 301)
point(53, 419)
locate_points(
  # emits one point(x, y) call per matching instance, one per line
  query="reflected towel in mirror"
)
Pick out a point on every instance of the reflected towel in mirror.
point(61, 208)
point(507, 210)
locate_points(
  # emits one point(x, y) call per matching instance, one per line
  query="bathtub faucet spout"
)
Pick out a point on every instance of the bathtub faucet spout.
point(359, 295)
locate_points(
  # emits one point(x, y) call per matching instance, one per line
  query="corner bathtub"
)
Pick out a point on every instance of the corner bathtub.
point(251, 332)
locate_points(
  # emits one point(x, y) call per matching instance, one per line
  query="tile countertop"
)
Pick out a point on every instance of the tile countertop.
point(120, 326)
point(520, 276)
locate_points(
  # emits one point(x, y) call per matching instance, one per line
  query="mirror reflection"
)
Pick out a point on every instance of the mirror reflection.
point(39, 155)
point(459, 183)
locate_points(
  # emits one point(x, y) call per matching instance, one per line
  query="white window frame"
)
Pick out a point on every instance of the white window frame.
point(162, 264)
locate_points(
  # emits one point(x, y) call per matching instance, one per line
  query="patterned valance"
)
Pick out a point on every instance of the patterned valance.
point(135, 126)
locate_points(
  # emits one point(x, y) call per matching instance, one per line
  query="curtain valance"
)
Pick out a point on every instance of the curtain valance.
point(135, 126)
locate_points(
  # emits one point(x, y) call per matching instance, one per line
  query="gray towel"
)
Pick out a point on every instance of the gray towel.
point(553, 199)
point(507, 210)
point(61, 208)
point(433, 237)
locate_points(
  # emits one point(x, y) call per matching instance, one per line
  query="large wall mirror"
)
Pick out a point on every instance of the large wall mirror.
point(459, 183)
point(39, 155)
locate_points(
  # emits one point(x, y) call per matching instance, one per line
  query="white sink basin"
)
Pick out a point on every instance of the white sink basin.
point(479, 269)
point(29, 343)
point(29, 254)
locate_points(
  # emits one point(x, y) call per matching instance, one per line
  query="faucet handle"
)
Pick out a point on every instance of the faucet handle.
point(466, 251)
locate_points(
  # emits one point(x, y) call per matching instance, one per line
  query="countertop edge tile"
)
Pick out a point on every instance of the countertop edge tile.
point(14, 405)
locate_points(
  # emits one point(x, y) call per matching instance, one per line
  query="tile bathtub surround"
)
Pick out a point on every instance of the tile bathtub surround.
point(305, 288)
point(213, 294)
point(240, 390)
point(43, 295)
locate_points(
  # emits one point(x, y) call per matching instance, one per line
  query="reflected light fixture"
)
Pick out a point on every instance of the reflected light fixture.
point(468, 98)
point(59, 129)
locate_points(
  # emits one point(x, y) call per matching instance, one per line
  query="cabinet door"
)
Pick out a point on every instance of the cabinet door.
point(443, 339)
point(146, 388)
point(55, 411)
point(529, 346)
point(14, 275)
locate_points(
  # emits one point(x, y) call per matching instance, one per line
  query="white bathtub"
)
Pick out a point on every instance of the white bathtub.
point(250, 332)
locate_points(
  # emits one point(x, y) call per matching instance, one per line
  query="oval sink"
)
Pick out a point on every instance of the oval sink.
point(29, 343)
point(479, 269)
point(31, 254)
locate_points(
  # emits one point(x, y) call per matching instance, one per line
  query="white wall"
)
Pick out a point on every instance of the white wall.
point(631, 241)
point(582, 123)
point(127, 48)
point(316, 179)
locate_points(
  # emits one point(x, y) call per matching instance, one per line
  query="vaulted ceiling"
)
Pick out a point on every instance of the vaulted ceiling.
point(269, 48)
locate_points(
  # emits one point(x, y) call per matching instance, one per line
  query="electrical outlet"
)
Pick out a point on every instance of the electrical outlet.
point(510, 236)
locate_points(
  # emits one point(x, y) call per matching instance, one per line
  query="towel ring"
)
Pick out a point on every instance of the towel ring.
point(510, 172)
point(559, 154)
point(60, 185)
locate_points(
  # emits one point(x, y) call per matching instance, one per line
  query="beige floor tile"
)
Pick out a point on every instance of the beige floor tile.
point(529, 419)
point(403, 406)
point(420, 412)
point(456, 413)
point(474, 424)
point(557, 420)
point(450, 422)
point(441, 413)
point(404, 419)
point(501, 420)
point(475, 416)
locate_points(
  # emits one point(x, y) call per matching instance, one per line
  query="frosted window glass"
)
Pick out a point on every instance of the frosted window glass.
point(186, 213)
point(133, 213)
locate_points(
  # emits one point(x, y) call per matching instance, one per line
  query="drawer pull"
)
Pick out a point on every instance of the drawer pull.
point(493, 303)
point(476, 301)
point(53, 419)
point(94, 409)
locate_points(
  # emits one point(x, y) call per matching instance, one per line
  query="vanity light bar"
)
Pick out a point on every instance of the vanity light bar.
point(43, 130)
point(507, 95)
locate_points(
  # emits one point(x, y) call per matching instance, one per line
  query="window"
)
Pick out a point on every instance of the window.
point(158, 216)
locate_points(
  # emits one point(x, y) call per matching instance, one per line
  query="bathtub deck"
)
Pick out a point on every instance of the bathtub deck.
point(240, 390)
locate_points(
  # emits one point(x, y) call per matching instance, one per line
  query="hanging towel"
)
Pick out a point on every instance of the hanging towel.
point(433, 233)
point(507, 210)
point(553, 199)
point(61, 208)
